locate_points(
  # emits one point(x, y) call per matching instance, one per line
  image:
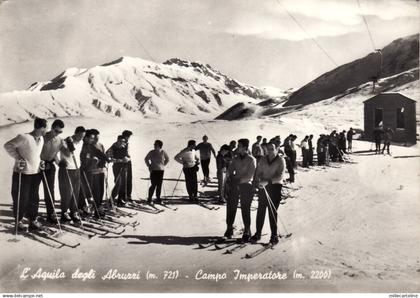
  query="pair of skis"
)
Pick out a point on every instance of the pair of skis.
point(267, 247)
point(54, 236)
point(153, 205)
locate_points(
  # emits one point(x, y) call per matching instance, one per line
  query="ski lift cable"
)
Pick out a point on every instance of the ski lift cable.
point(307, 33)
point(367, 26)
point(139, 43)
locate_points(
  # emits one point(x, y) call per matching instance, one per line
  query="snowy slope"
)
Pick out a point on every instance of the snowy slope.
point(359, 220)
point(131, 88)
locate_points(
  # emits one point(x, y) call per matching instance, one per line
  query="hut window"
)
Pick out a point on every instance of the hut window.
point(378, 117)
point(400, 118)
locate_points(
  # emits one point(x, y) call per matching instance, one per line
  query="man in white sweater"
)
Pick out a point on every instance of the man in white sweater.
point(52, 145)
point(239, 181)
point(26, 150)
point(269, 175)
point(189, 160)
point(69, 176)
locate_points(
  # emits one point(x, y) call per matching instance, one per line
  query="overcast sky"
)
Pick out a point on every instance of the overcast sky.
point(253, 41)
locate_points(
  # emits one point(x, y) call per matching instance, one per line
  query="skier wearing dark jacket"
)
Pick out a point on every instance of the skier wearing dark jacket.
point(93, 162)
point(119, 155)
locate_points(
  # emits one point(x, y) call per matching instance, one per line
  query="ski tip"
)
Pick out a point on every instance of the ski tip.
point(247, 256)
point(201, 245)
point(228, 252)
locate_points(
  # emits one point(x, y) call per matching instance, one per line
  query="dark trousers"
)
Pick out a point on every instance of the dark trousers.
point(121, 181)
point(290, 169)
point(311, 156)
point(321, 157)
point(29, 195)
point(191, 181)
point(98, 188)
point(350, 145)
point(69, 185)
point(156, 178)
point(386, 145)
point(274, 191)
point(291, 154)
point(305, 157)
point(377, 146)
point(129, 179)
point(244, 193)
point(205, 167)
point(50, 176)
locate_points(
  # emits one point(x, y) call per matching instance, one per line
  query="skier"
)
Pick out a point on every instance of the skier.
point(311, 151)
point(189, 160)
point(69, 178)
point(206, 150)
point(257, 151)
point(305, 148)
point(377, 136)
point(49, 154)
point(269, 174)
point(239, 180)
point(222, 164)
point(98, 174)
point(289, 149)
point(127, 135)
point(264, 146)
point(156, 160)
point(388, 133)
point(350, 135)
point(342, 142)
point(92, 161)
point(320, 150)
point(26, 150)
point(119, 155)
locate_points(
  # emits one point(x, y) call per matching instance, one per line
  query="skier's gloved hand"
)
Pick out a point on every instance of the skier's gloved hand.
point(21, 164)
point(70, 145)
point(42, 165)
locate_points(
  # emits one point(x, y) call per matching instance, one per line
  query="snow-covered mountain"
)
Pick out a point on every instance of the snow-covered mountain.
point(131, 88)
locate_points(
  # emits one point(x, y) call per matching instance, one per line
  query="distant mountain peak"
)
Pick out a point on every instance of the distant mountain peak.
point(176, 90)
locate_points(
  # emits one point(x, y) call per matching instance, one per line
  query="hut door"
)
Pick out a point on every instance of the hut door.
point(378, 117)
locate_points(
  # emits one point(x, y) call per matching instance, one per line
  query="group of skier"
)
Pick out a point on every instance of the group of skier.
point(242, 171)
point(82, 172)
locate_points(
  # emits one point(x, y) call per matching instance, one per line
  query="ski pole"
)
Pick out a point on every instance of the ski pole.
point(107, 189)
point(51, 200)
point(176, 184)
point(73, 195)
point(284, 227)
point(93, 199)
point(81, 185)
point(126, 187)
point(18, 203)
